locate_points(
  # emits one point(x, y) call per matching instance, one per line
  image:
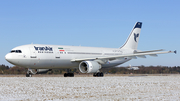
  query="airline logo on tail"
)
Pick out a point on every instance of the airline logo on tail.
point(135, 36)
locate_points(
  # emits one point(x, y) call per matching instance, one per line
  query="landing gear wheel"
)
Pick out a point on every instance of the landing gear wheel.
point(68, 74)
point(65, 74)
point(94, 74)
point(28, 75)
point(99, 74)
point(71, 74)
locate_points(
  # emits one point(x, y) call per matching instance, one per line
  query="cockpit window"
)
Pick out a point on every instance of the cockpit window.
point(13, 51)
point(16, 51)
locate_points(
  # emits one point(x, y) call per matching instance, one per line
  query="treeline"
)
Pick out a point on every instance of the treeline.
point(144, 70)
point(12, 70)
point(120, 70)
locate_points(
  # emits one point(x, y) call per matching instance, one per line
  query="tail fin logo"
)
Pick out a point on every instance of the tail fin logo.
point(135, 36)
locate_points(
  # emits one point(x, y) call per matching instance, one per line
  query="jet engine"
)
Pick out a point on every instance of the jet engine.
point(39, 71)
point(89, 66)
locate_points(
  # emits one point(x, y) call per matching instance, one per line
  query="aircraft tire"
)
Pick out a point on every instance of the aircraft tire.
point(95, 74)
point(68, 74)
point(65, 74)
point(71, 74)
point(98, 74)
point(101, 74)
point(28, 75)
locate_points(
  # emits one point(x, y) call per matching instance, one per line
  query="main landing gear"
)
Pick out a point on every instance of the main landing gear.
point(68, 74)
point(98, 74)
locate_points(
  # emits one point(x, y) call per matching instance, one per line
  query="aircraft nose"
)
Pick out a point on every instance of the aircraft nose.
point(15, 59)
point(8, 57)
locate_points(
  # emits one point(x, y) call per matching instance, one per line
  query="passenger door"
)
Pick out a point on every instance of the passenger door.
point(57, 54)
point(32, 53)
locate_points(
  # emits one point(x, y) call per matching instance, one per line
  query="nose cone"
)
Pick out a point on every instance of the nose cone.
point(9, 58)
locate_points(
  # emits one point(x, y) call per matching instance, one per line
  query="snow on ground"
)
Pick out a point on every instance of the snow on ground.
point(90, 88)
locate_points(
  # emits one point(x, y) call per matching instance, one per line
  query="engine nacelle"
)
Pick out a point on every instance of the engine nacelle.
point(89, 66)
point(38, 71)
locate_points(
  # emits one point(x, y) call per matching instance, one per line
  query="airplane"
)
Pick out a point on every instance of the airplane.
point(133, 68)
point(39, 58)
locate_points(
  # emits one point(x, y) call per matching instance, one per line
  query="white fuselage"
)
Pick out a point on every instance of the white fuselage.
point(39, 56)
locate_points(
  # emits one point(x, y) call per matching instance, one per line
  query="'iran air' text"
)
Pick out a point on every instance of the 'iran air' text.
point(44, 49)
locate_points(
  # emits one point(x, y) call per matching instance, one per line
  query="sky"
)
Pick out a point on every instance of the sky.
point(93, 23)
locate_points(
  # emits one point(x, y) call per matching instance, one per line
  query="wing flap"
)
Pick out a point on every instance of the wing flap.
point(141, 56)
point(154, 55)
point(133, 57)
point(148, 51)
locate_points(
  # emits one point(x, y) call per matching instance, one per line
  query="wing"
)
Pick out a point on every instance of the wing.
point(133, 56)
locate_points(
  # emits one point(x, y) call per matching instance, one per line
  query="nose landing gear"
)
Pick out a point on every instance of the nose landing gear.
point(31, 72)
point(29, 75)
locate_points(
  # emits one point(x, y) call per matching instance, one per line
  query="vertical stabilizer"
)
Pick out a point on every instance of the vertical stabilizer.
point(133, 39)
